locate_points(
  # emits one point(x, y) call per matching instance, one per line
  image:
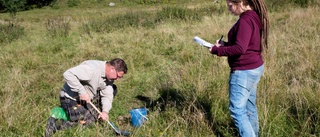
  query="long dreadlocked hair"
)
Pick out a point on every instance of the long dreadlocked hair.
point(260, 7)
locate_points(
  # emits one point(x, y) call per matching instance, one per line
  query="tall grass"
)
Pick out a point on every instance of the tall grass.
point(182, 84)
point(10, 32)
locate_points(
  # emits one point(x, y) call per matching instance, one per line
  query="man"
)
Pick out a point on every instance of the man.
point(91, 81)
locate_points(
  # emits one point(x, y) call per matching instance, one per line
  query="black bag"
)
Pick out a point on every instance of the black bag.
point(77, 113)
point(74, 109)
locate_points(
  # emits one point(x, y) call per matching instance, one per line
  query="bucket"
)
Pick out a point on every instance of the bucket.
point(138, 116)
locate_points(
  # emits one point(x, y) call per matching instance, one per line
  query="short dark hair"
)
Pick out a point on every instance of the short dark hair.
point(119, 65)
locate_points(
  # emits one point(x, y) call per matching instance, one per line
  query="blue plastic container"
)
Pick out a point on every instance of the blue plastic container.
point(138, 116)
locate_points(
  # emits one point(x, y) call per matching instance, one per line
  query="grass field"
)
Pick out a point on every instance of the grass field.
point(184, 87)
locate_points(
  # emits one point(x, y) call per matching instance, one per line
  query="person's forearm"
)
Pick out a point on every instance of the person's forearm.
point(74, 82)
point(106, 104)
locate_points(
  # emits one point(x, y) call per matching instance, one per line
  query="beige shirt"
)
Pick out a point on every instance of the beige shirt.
point(88, 77)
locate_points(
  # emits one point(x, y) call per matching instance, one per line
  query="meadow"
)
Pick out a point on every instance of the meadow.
point(184, 87)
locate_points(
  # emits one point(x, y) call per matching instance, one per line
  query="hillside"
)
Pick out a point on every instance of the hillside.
point(184, 87)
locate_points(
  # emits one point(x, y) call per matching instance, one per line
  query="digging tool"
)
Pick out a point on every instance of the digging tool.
point(118, 131)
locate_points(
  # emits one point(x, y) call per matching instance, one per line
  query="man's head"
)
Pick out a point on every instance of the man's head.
point(115, 69)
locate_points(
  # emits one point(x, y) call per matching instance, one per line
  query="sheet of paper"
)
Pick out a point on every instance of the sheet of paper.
point(202, 42)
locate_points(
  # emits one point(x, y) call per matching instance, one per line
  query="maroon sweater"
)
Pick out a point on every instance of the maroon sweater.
point(243, 47)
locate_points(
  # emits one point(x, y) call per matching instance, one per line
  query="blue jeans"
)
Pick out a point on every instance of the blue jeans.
point(242, 96)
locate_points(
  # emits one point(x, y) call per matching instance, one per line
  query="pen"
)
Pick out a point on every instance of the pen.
point(220, 39)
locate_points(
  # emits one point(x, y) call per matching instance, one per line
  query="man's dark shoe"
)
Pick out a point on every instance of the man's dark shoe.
point(51, 126)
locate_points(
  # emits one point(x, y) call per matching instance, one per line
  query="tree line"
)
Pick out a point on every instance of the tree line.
point(13, 6)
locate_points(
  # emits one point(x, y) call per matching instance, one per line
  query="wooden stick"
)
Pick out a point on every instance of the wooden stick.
point(95, 107)
point(115, 128)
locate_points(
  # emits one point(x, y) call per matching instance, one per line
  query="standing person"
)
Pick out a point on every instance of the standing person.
point(246, 40)
point(90, 81)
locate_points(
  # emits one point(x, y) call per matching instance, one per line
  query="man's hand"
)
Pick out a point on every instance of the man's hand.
point(104, 116)
point(85, 97)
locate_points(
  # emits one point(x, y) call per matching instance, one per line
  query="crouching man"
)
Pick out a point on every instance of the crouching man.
point(90, 81)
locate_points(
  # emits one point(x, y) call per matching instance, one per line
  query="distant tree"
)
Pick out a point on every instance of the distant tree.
point(13, 6)
point(38, 3)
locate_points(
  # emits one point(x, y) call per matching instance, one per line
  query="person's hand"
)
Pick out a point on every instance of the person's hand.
point(219, 43)
point(210, 48)
point(104, 116)
point(85, 97)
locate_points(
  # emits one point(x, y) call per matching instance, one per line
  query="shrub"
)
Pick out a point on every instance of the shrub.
point(10, 32)
point(149, 19)
point(120, 22)
point(13, 6)
point(149, 1)
point(59, 26)
point(73, 3)
point(177, 13)
point(276, 5)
